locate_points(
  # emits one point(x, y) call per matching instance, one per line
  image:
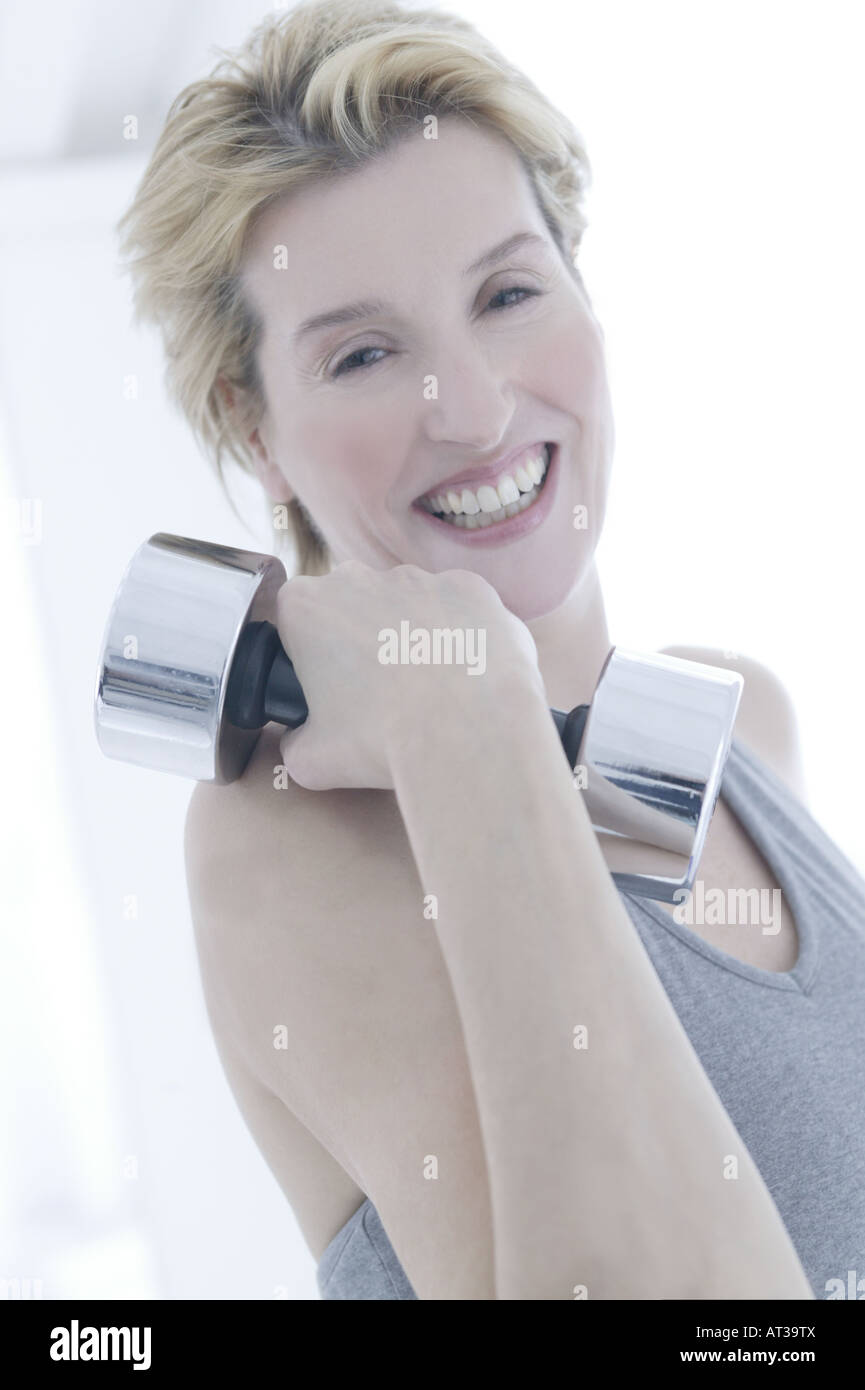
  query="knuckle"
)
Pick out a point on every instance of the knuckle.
point(412, 574)
point(350, 569)
point(470, 584)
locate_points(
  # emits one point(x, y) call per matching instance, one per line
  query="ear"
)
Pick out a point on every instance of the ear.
point(266, 470)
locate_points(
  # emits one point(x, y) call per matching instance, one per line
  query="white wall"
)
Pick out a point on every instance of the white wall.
point(723, 257)
point(113, 998)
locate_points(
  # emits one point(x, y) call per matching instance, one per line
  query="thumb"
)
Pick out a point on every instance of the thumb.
point(298, 758)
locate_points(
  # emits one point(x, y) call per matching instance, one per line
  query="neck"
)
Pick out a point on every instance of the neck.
point(573, 643)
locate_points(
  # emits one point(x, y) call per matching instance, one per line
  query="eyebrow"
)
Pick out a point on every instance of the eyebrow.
point(368, 308)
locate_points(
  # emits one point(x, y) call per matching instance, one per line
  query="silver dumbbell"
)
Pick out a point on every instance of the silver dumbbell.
point(192, 669)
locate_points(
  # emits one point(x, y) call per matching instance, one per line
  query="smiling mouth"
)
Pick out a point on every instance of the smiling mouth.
point(514, 492)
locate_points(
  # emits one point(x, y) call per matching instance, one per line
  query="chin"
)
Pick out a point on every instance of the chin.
point(538, 577)
point(535, 598)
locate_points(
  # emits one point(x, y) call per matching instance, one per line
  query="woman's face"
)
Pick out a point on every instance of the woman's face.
point(449, 386)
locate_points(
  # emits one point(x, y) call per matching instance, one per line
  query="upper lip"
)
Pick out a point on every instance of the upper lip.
point(482, 472)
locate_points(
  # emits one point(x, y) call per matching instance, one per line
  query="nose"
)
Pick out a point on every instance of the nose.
point(469, 400)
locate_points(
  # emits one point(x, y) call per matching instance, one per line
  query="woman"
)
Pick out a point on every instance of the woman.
point(476, 1068)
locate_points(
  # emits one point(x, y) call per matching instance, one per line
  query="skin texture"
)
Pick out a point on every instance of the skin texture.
point(411, 1037)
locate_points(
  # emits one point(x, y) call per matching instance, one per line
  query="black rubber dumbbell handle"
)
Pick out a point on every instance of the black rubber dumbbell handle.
point(262, 686)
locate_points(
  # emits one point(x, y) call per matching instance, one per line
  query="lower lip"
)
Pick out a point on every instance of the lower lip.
point(501, 532)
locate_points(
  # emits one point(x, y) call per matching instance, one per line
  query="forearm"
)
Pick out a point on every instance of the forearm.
point(606, 1163)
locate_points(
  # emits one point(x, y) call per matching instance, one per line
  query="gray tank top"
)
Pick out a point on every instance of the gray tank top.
point(785, 1051)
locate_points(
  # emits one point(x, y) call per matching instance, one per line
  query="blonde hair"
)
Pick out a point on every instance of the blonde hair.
point(314, 91)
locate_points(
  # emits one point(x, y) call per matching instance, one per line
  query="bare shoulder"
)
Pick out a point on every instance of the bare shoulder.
point(766, 720)
point(276, 874)
point(325, 980)
point(233, 837)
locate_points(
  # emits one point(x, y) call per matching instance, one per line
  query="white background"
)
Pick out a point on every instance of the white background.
point(724, 260)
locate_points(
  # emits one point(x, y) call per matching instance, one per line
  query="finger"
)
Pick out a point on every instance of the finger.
point(298, 758)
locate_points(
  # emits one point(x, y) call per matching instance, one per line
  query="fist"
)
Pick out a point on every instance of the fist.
point(378, 652)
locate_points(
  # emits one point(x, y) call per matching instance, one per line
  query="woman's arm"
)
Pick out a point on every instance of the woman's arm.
point(608, 1163)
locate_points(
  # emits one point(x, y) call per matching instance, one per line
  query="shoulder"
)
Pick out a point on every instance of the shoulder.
point(261, 802)
point(265, 832)
point(268, 870)
point(268, 865)
point(272, 869)
point(324, 980)
point(766, 720)
point(295, 898)
point(235, 837)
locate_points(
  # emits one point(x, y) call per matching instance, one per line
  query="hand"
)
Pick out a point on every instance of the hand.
point(333, 628)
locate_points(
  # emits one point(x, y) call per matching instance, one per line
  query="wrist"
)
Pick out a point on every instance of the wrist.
point(468, 717)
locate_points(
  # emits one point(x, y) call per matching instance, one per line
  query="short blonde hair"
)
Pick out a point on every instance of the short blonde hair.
point(314, 91)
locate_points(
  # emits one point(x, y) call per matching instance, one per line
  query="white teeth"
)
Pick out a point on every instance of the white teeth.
point(512, 493)
point(508, 490)
point(489, 499)
point(524, 482)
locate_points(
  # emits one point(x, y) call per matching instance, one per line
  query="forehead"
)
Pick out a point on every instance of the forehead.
point(425, 207)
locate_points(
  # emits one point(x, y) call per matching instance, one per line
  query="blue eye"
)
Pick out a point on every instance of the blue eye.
point(342, 368)
point(514, 289)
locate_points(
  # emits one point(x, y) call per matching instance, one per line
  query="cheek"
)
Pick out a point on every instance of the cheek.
point(571, 376)
point(342, 454)
point(569, 372)
point(344, 459)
